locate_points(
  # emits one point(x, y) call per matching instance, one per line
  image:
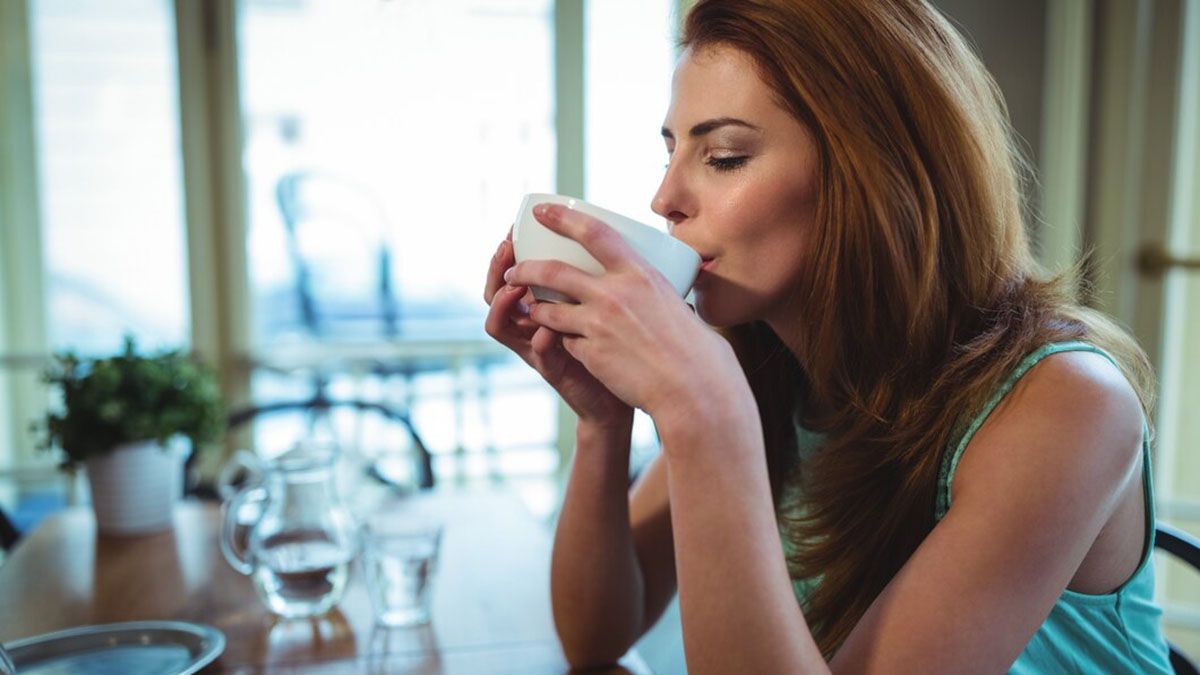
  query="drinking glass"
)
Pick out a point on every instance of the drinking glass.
point(399, 559)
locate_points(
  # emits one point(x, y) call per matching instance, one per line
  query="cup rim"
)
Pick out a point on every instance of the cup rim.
point(623, 222)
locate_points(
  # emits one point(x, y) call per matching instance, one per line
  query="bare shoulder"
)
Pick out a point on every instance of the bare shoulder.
point(1073, 417)
point(1031, 495)
point(1087, 377)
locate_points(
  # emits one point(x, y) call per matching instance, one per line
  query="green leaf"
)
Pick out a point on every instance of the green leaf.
point(129, 397)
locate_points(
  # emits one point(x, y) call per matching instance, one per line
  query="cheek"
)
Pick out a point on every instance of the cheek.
point(771, 240)
point(764, 246)
point(764, 225)
point(777, 199)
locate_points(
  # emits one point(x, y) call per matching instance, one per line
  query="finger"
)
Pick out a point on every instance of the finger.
point(596, 237)
point(501, 261)
point(576, 347)
point(545, 341)
point(520, 315)
point(555, 275)
point(563, 318)
point(500, 318)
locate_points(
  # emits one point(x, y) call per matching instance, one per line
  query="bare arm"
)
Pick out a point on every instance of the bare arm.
point(612, 569)
point(1033, 491)
point(735, 597)
point(1036, 486)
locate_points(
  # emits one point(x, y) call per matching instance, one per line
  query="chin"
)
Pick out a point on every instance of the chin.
point(724, 303)
point(718, 314)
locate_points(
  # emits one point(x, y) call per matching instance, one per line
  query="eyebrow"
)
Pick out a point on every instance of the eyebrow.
point(709, 126)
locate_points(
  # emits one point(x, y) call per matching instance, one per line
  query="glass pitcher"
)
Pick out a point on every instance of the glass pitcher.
point(290, 532)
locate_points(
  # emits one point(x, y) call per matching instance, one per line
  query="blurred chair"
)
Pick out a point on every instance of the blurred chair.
point(338, 239)
point(8, 532)
point(30, 494)
point(338, 242)
point(1186, 549)
point(318, 407)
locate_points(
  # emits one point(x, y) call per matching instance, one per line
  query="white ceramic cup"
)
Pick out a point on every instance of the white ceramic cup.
point(533, 241)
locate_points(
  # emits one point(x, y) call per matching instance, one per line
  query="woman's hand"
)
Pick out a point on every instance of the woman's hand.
point(509, 323)
point(630, 329)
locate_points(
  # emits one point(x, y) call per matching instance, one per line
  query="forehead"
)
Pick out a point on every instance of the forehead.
point(720, 81)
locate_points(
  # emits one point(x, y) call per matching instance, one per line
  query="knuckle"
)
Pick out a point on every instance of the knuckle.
point(643, 277)
point(615, 297)
point(610, 300)
point(594, 325)
point(558, 273)
point(593, 231)
point(579, 350)
point(492, 326)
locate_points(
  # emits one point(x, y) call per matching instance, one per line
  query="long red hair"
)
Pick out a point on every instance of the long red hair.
point(923, 292)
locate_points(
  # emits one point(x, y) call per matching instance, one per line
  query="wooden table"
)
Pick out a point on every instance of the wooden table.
point(491, 604)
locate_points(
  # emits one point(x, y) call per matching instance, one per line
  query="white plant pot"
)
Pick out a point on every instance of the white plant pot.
point(135, 487)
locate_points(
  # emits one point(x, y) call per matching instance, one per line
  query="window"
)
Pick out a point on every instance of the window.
point(107, 125)
point(630, 57)
point(387, 147)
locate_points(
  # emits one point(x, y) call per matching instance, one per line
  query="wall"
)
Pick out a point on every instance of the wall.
point(1010, 36)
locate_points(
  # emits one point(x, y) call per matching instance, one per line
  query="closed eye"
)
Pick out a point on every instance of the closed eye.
point(726, 163)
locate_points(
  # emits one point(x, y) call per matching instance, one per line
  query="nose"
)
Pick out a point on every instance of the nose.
point(673, 199)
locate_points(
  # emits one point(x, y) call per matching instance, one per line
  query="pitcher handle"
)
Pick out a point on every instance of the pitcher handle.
point(232, 526)
point(242, 460)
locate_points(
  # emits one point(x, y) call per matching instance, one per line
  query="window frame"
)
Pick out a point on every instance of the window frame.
point(22, 274)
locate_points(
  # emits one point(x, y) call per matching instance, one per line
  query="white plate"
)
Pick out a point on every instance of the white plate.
point(150, 647)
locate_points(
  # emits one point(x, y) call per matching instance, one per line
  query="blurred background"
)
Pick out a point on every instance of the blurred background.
point(307, 194)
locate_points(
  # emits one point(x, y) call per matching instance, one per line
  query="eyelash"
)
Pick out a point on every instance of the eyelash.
point(722, 164)
point(726, 163)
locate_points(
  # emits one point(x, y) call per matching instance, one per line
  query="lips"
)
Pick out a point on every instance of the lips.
point(707, 263)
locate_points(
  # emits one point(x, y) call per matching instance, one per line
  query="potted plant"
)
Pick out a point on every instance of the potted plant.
point(124, 418)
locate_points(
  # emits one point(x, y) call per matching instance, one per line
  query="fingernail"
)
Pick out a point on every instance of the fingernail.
point(539, 210)
point(507, 274)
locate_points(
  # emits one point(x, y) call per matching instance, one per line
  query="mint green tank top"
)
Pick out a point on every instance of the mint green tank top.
point(1118, 632)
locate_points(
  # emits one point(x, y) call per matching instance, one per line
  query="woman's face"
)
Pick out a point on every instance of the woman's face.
point(740, 187)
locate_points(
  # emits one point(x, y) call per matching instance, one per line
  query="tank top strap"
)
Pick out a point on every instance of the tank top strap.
point(955, 450)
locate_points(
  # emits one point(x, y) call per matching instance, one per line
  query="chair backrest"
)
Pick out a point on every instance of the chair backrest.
point(338, 240)
point(417, 454)
point(32, 494)
point(1186, 548)
point(8, 532)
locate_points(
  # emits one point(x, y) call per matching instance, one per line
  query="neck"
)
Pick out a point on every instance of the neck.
point(787, 328)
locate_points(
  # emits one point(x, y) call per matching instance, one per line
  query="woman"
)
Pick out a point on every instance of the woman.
point(905, 450)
